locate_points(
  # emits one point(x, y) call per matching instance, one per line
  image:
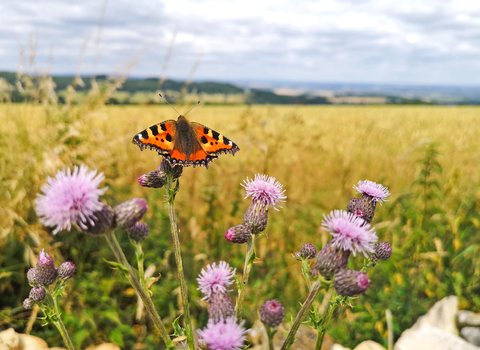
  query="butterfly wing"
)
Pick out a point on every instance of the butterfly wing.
point(158, 137)
point(212, 142)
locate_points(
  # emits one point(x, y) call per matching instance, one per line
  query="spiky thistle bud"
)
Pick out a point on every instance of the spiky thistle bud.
point(363, 208)
point(37, 293)
point(166, 169)
point(314, 272)
point(126, 214)
point(46, 272)
point(66, 270)
point(153, 179)
point(272, 313)
point(256, 217)
point(297, 256)
point(381, 251)
point(238, 234)
point(350, 283)
point(308, 251)
point(101, 222)
point(28, 304)
point(32, 277)
point(221, 307)
point(331, 259)
point(138, 232)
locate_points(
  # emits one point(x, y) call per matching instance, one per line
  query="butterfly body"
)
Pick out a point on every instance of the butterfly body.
point(186, 143)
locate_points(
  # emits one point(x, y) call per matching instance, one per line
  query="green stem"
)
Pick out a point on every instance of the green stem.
point(57, 321)
point(246, 272)
point(178, 258)
point(270, 335)
point(314, 292)
point(137, 285)
point(140, 259)
point(306, 273)
point(326, 318)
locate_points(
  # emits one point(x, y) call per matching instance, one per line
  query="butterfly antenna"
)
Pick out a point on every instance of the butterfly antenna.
point(168, 103)
point(192, 108)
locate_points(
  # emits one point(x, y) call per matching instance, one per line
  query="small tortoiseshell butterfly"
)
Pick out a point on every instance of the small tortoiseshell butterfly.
point(185, 143)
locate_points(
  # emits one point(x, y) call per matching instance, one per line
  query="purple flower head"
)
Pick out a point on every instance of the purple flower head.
point(272, 313)
point(153, 179)
point(37, 293)
point(215, 279)
point(70, 197)
point(377, 191)
point(138, 232)
point(28, 304)
point(350, 283)
point(265, 189)
point(126, 214)
point(221, 307)
point(223, 335)
point(238, 234)
point(66, 270)
point(32, 277)
point(350, 232)
point(46, 273)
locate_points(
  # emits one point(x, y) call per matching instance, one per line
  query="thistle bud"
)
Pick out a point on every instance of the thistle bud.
point(221, 307)
point(37, 293)
point(272, 313)
point(331, 259)
point(238, 234)
point(256, 216)
point(153, 179)
point(46, 272)
point(363, 208)
point(381, 251)
point(308, 251)
point(66, 270)
point(350, 283)
point(126, 214)
point(32, 277)
point(28, 304)
point(102, 221)
point(297, 256)
point(138, 232)
point(314, 272)
point(166, 169)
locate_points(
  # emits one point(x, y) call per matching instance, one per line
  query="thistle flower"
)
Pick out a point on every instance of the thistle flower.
point(165, 169)
point(215, 279)
point(363, 208)
point(37, 293)
point(28, 304)
point(265, 189)
point(138, 232)
point(350, 232)
point(153, 179)
point(66, 270)
point(378, 192)
point(381, 251)
point(126, 214)
point(238, 234)
point(314, 272)
point(46, 273)
point(70, 197)
point(256, 217)
point(331, 259)
point(308, 251)
point(221, 307)
point(272, 313)
point(32, 277)
point(297, 256)
point(223, 335)
point(350, 283)
point(102, 221)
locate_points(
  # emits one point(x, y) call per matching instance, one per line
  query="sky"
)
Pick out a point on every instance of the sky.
point(422, 42)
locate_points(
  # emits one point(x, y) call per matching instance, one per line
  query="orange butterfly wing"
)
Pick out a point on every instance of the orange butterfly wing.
point(158, 137)
point(212, 142)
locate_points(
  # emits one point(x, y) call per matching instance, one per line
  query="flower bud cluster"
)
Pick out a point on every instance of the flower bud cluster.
point(43, 275)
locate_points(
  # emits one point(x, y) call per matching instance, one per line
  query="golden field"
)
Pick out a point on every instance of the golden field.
point(317, 152)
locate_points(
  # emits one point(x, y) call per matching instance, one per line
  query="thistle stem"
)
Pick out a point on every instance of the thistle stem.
point(314, 292)
point(138, 286)
point(326, 318)
point(140, 259)
point(57, 321)
point(270, 335)
point(246, 272)
point(178, 258)
point(306, 273)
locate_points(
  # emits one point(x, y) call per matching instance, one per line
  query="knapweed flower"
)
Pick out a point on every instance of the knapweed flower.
point(350, 283)
point(238, 234)
point(331, 259)
point(37, 293)
point(46, 273)
point(223, 335)
point(221, 307)
point(69, 198)
point(66, 270)
point(381, 251)
point(265, 189)
point(215, 279)
point(138, 232)
point(126, 214)
point(308, 251)
point(272, 313)
point(350, 232)
point(378, 192)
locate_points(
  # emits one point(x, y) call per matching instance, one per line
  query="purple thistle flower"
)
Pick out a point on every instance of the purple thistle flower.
point(28, 304)
point(126, 214)
point(46, 273)
point(265, 189)
point(70, 197)
point(66, 270)
point(308, 251)
point(350, 283)
point(221, 307)
point(223, 335)
point(32, 277)
point(238, 234)
point(37, 293)
point(377, 191)
point(138, 232)
point(153, 179)
point(215, 279)
point(350, 232)
point(382, 251)
point(272, 313)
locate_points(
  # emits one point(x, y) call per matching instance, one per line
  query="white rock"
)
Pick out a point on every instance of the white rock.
point(427, 337)
point(8, 339)
point(338, 347)
point(467, 318)
point(369, 345)
point(442, 315)
point(471, 334)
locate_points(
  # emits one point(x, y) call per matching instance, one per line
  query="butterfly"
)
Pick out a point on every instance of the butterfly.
point(185, 143)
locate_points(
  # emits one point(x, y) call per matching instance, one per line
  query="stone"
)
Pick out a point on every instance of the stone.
point(8, 339)
point(338, 347)
point(428, 337)
point(467, 318)
point(30, 342)
point(471, 334)
point(104, 346)
point(369, 345)
point(442, 315)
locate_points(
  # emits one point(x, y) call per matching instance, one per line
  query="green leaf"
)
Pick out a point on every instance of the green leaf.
point(116, 266)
